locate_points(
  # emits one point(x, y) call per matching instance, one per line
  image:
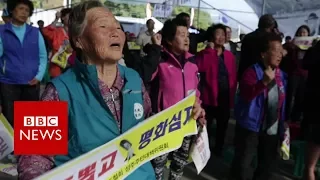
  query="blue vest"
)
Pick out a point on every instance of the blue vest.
point(249, 114)
point(91, 123)
point(20, 62)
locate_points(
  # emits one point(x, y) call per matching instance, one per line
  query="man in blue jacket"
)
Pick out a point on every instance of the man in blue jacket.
point(23, 58)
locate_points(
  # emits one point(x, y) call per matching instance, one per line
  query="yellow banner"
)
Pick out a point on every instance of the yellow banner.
point(201, 46)
point(157, 135)
point(133, 46)
point(304, 43)
point(61, 57)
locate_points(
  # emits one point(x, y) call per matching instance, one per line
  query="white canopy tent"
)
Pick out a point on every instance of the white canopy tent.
point(244, 14)
point(283, 6)
point(291, 14)
point(235, 13)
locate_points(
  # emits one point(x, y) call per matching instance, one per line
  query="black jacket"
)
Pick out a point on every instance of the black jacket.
point(249, 51)
point(311, 62)
point(145, 66)
point(195, 39)
point(233, 47)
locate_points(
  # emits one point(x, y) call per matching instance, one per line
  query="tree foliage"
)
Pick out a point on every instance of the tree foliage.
point(129, 10)
point(2, 5)
point(204, 17)
point(138, 11)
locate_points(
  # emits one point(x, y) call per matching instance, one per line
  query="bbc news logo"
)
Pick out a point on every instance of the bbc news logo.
point(40, 121)
point(41, 128)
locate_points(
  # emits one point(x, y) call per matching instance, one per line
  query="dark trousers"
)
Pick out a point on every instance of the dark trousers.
point(11, 92)
point(295, 97)
point(222, 115)
point(249, 144)
point(179, 161)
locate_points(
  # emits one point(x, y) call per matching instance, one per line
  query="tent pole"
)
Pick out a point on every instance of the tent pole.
point(68, 3)
point(198, 18)
point(263, 7)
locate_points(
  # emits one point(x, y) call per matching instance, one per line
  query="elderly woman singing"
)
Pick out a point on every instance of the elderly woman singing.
point(101, 94)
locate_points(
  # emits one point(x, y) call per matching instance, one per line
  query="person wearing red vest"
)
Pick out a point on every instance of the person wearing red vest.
point(57, 39)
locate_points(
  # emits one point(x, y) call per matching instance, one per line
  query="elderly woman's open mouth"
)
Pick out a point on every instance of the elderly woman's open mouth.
point(116, 46)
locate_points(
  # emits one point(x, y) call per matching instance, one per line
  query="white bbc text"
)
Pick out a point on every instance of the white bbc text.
point(40, 121)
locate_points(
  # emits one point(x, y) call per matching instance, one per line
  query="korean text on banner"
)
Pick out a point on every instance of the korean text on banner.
point(61, 57)
point(10, 169)
point(162, 10)
point(157, 135)
point(304, 43)
point(6, 137)
point(200, 151)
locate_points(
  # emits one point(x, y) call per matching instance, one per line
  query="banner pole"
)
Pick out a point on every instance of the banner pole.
point(198, 19)
point(263, 8)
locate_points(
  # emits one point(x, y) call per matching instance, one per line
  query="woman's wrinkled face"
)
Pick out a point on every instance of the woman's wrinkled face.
point(102, 38)
point(180, 43)
point(219, 37)
point(274, 54)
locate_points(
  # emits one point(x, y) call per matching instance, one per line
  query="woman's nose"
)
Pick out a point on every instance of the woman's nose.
point(114, 34)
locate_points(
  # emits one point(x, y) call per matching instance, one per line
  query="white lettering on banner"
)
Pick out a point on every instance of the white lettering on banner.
point(185, 2)
point(200, 151)
point(161, 10)
point(40, 121)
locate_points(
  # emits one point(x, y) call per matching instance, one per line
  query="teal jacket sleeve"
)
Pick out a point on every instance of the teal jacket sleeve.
point(43, 58)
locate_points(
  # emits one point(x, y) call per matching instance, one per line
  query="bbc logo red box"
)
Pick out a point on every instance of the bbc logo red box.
point(40, 128)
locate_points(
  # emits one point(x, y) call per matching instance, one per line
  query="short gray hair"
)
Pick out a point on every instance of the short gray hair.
point(77, 22)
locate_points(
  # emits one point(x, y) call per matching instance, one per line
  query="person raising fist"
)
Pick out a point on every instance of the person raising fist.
point(268, 75)
point(58, 40)
point(260, 112)
point(156, 39)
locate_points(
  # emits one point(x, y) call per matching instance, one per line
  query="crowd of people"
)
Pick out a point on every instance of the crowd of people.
point(267, 84)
